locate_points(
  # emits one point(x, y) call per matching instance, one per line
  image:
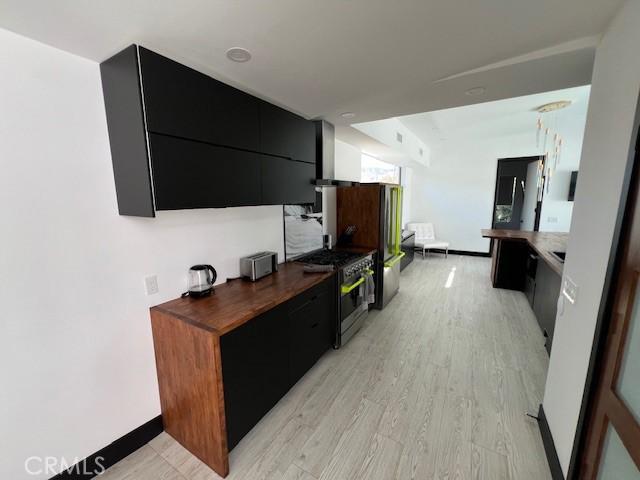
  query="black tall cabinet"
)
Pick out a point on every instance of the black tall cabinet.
point(181, 139)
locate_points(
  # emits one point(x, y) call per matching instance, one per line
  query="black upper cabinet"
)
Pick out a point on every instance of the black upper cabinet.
point(183, 102)
point(286, 134)
point(296, 189)
point(180, 139)
point(126, 122)
point(189, 174)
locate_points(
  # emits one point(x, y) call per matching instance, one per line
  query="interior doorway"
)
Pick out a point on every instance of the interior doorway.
point(518, 193)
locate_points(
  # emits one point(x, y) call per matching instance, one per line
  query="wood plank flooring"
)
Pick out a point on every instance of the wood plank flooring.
point(436, 386)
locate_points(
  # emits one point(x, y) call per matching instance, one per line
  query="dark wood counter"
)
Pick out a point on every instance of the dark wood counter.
point(234, 303)
point(542, 242)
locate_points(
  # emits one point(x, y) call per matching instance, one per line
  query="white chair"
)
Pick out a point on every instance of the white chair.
point(426, 238)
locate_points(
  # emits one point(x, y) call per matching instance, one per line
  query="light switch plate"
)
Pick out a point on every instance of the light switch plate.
point(151, 284)
point(569, 289)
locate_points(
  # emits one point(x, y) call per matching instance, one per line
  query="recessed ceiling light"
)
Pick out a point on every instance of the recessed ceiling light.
point(475, 91)
point(347, 115)
point(238, 54)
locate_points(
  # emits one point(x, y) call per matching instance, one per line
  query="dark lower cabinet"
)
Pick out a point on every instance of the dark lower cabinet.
point(509, 264)
point(408, 246)
point(530, 278)
point(265, 357)
point(545, 301)
point(190, 174)
point(297, 189)
point(255, 368)
point(312, 328)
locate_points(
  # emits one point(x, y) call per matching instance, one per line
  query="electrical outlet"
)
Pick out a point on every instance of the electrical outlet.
point(151, 284)
point(552, 219)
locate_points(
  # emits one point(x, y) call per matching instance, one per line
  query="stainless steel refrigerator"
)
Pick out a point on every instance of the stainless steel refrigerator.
point(375, 210)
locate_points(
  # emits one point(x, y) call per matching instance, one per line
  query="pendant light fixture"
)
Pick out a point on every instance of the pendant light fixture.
point(544, 132)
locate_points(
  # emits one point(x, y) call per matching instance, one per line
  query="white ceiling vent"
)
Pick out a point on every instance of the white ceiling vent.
point(399, 137)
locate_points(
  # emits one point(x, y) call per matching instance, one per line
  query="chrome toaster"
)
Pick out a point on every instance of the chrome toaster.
point(258, 265)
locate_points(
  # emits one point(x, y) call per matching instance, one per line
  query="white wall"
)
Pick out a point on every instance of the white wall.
point(406, 179)
point(348, 162)
point(76, 352)
point(614, 94)
point(386, 131)
point(456, 191)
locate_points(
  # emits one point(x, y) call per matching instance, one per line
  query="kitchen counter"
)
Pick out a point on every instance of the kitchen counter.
point(225, 360)
point(542, 242)
point(234, 303)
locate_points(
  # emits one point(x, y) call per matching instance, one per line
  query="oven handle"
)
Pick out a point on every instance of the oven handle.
point(344, 289)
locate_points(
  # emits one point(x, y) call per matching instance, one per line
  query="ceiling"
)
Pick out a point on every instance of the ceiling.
point(376, 58)
point(501, 118)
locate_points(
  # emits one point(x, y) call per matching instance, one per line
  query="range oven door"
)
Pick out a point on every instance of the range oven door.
point(353, 309)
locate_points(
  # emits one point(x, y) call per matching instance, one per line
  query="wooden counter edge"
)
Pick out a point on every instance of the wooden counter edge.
point(189, 368)
point(240, 320)
point(554, 264)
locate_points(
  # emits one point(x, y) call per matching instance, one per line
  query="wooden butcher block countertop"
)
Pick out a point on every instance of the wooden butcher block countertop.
point(234, 303)
point(542, 242)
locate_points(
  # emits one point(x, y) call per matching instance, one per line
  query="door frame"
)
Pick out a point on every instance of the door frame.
point(632, 172)
point(533, 158)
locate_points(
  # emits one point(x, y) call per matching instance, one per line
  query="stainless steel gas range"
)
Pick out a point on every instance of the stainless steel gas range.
point(353, 269)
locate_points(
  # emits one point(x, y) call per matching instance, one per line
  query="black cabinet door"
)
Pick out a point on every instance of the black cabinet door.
point(286, 134)
point(287, 182)
point(545, 300)
point(312, 327)
point(530, 279)
point(408, 247)
point(255, 370)
point(183, 102)
point(188, 174)
point(512, 265)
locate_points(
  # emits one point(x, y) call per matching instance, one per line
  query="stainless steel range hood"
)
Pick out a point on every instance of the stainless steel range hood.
point(325, 157)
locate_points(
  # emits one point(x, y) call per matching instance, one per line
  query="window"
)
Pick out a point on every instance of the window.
point(375, 171)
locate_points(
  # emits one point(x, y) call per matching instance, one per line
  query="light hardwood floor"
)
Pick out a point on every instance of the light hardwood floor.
point(435, 386)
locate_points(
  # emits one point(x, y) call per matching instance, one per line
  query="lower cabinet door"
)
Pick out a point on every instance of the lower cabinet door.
point(188, 174)
point(287, 182)
point(545, 300)
point(408, 247)
point(312, 327)
point(255, 371)
point(262, 359)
